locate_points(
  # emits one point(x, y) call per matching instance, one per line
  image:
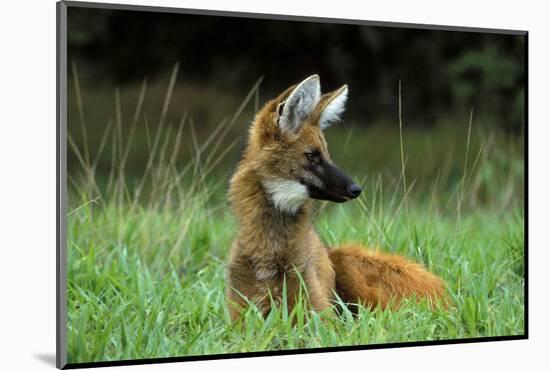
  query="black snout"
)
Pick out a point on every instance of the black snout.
point(354, 190)
point(336, 185)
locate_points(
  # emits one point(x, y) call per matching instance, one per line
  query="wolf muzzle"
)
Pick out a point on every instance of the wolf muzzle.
point(336, 185)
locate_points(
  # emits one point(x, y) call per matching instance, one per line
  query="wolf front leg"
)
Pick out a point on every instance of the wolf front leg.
point(320, 281)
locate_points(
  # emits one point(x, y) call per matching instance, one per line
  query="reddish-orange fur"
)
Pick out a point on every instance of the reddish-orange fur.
point(271, 247)
point(373, 278)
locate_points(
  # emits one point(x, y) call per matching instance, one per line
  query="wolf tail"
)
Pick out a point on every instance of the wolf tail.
point(372, 278)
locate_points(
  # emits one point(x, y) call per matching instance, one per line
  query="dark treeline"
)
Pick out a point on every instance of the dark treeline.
point(441, 71)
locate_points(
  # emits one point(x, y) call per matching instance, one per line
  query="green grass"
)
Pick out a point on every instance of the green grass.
point(147, 252)
point(148, 283)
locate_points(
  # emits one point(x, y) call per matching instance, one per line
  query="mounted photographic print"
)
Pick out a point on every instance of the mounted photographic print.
point(234, 184)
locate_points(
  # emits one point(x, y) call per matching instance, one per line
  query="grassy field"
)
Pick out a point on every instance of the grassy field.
point(147, 250)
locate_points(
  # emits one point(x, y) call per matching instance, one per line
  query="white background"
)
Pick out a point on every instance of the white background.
point(27, 182)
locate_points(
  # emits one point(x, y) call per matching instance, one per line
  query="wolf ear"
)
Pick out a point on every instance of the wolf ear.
point(299, 105)
point(333, 107)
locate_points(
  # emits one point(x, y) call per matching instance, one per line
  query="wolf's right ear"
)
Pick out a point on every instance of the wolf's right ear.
point(299, 105)
point(332, 106)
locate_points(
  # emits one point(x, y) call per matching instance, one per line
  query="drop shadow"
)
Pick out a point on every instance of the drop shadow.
point(47, 358)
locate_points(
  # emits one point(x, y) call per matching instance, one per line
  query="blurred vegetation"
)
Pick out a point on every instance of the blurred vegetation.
point(114, 54)
point(436, 159)
point(442, 72)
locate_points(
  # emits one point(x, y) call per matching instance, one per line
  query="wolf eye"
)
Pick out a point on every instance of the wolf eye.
point(314, 157)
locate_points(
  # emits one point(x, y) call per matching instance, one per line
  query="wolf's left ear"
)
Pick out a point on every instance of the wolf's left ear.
point(333, 105)
point(299, 105)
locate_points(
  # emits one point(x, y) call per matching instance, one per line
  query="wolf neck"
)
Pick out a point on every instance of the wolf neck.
point(269, 218)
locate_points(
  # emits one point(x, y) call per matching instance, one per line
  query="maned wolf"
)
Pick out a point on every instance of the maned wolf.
point(286, 165)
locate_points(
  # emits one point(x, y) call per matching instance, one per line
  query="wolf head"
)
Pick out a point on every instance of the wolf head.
point(288, 151)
